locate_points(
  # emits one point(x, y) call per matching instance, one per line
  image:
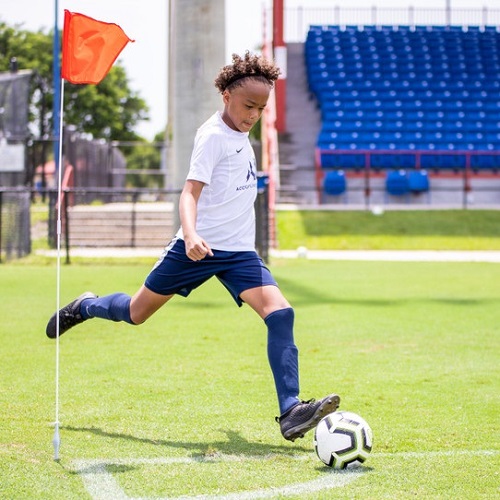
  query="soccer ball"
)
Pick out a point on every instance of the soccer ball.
point(343, 438)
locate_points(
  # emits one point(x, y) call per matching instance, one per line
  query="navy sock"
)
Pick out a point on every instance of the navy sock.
point(115, 307)
point(283, 357)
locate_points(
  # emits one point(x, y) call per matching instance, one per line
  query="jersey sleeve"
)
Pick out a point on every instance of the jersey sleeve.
point(207, 152)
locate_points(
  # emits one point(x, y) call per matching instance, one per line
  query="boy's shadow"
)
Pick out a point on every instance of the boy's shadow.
point(235, 444)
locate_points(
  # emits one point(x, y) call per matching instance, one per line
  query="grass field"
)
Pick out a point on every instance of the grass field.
point(394, 230)
point(184, 404)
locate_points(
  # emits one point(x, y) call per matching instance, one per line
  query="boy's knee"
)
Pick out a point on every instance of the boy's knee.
point(280, 325)
point(137, 319)
point(287, 314)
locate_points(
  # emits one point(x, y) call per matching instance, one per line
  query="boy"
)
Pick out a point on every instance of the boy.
point(217, 238)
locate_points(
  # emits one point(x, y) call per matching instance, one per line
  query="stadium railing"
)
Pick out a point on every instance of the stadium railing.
point(359, 162)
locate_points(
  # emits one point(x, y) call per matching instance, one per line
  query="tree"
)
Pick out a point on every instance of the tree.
point(109, 110)
point(145, 157)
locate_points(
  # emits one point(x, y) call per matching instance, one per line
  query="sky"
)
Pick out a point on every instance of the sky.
point(145, 21)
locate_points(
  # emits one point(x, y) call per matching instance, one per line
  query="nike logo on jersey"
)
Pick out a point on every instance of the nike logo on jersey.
point(239, 150)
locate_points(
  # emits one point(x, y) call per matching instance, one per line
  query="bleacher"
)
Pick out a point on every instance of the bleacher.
point(404, 99)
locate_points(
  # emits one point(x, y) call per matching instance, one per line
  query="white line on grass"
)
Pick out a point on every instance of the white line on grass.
point(101, 484)
point(393, 255)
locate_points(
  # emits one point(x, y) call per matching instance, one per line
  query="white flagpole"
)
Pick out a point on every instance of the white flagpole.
point(56, 440)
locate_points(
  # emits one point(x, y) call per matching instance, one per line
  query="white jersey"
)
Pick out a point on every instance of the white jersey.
point(224, 161)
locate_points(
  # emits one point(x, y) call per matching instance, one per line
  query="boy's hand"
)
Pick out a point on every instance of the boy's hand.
point(197, 248)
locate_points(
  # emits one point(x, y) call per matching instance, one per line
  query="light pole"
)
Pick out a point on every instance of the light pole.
point(196, 54)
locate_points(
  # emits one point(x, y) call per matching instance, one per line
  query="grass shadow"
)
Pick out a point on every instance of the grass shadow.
point(235, 444)
point(303, 296)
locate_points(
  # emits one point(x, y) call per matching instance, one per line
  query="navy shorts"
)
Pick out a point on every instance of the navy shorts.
point(176, 273)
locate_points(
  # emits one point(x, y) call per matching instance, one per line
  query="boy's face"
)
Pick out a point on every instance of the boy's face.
point(243, 106)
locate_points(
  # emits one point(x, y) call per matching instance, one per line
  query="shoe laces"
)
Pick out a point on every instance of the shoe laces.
point(308, 402)
point(68, 318)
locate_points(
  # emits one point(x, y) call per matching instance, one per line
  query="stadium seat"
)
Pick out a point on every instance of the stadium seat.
point(485, 162)
point(418, 181)
point(334, 182)
point(396, 183)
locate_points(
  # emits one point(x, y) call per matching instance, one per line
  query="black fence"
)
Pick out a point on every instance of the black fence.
point(15, 226)
point(130, 201)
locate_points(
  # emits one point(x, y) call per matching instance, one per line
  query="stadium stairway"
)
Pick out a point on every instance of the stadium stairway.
point(296, 146)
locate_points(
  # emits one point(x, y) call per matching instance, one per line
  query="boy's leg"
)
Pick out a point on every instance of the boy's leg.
point(115, 307)
point(270, 304)
point(69, 316)
point(297, 417)
point(173, 275)
point(121, 307)
point(283, 357)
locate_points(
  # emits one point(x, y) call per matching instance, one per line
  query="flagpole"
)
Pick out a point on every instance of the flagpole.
point(56, 75)
point(56, 440)
point(76, 41)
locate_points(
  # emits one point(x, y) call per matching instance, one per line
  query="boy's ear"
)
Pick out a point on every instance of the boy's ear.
point(225, 96)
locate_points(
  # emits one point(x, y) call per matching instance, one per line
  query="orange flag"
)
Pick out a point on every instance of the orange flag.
point(89, 48)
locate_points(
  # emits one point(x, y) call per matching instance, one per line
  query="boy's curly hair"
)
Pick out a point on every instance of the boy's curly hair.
point(251, 65)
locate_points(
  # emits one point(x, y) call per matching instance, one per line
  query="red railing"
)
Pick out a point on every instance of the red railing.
point(418, 154)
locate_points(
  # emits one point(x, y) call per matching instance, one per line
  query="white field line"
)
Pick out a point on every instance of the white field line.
point(392, 255)
point(101, 484)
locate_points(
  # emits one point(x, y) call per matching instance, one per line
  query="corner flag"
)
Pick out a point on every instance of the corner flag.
point(89, 48)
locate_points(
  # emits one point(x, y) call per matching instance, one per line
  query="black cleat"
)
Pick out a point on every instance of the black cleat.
point(69, 316)
point(304, 416)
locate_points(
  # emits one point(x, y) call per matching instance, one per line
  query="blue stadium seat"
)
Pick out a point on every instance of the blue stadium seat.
point(393, 160)
point(396, 183)
point(485, 161)
point(342, 160)
point(334, 182)
point(418, 181)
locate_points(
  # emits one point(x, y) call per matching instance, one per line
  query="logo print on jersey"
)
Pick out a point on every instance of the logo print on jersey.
point(251, 177)
point(239, 150)
point(251, 172)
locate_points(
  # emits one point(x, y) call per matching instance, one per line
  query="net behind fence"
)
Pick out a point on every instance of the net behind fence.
point(15, 240)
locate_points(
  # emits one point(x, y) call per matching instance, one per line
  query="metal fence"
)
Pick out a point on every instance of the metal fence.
point(131, 203)
point(298, 20)
point(15, 227)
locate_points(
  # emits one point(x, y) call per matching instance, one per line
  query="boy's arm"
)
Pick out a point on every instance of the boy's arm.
point(196, 247)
